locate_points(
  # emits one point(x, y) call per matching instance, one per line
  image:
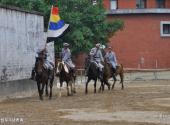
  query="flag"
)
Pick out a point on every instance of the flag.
point(56, 25)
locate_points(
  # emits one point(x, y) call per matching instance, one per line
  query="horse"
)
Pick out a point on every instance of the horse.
point(42, 77)
point(109, 73)
point(92, 74)
point(65, 76)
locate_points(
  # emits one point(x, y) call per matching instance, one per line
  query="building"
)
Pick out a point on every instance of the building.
point(145, 40)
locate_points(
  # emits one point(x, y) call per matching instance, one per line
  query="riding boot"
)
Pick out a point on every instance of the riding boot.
point(113, 70)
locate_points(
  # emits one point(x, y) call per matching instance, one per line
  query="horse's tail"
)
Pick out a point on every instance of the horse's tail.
point(121, 65)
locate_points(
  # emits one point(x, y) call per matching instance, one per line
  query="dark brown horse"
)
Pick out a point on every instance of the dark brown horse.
point(42, 77)
point(65, 76)
point(109, 73)
point(92, 74)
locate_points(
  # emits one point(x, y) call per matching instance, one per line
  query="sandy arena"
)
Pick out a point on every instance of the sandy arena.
point(140, 103)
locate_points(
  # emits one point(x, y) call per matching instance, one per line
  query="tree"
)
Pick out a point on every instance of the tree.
point(88, 24)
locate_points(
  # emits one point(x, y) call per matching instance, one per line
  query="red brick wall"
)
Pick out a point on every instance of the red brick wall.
point(151, 4)
point(131, 4)
point(141, 39)
point(106, 4)
point(167, 4)
point(126, 4)
point(79, 60)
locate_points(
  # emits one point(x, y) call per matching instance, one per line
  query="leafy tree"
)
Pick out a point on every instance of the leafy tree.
point(88, 24)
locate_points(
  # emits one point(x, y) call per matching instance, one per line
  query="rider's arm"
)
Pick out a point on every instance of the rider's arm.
point(92, 52)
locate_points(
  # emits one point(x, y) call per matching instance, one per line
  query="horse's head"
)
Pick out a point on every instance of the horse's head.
point(59, 66)
point(87, 62)
point(39, 66)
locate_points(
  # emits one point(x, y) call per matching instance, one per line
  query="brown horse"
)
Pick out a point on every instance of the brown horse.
point(109, 73)
point(65, 76)
point(42, 77)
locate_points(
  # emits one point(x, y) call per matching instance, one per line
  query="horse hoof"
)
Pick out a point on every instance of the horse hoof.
point(41, 98)
point(108, 88)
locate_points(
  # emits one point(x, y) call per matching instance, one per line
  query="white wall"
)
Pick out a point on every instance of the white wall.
point(21, 33)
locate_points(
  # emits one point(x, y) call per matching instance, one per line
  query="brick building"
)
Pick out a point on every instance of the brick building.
point(145, 40)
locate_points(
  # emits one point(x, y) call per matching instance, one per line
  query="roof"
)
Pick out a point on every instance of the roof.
point(20, 9)
point(137, 11)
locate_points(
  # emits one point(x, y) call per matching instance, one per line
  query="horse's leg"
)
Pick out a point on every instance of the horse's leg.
point(68, 93)
point(114, 77)
point(39, 90)
point(102, 85)
point(46, 88)
point(95, 85)
point(51, 86)
point(71, 87)
point(86, 90)
point(42, 89)
point(74, 86)
point(107, 83)
point(60, 88)
point(121, 80)
point(100, 88)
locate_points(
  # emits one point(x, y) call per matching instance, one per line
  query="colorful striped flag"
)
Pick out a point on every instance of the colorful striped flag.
point(56, 25)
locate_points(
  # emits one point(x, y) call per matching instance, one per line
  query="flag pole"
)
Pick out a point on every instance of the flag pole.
point(48, 27)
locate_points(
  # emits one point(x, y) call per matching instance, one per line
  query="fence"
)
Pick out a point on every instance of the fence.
point(132, 74)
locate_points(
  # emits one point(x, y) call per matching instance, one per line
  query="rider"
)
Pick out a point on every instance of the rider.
point(96, 56)
point(66, 57)
point(48, 63)
point(111, 58)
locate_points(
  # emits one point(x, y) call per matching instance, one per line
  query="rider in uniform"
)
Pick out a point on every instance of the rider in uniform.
point(48, 63)
point(66, 57)
point(97, 57)
point(111, 58)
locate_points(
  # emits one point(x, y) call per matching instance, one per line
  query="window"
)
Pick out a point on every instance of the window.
point(165, 28)
point(140, 4)
point(160, 3)
point(113, 4)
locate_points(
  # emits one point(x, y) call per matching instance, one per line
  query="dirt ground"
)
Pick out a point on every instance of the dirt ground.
point(140, 103)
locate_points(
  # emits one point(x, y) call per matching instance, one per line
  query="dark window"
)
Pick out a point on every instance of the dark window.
point(160, 3)
point(166, 28)
point(140, 4)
